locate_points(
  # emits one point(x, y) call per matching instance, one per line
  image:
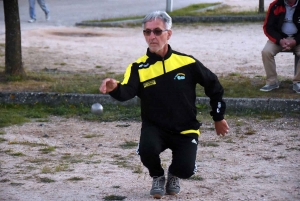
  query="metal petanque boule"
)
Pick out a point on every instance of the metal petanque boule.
point(97, 108)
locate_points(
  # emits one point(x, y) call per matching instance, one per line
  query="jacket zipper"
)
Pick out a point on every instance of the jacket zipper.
point(163, 62)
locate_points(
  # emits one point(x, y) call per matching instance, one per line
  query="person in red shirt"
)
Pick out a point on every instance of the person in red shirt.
point(282, 27)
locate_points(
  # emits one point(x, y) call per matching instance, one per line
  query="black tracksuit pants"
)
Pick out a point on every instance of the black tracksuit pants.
point(154, 140)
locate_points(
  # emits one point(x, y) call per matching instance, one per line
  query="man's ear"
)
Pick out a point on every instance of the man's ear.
point(169, 33)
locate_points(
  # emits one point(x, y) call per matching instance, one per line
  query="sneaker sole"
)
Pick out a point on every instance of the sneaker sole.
point(298, 92)
point(157, 196)
point(172, 193)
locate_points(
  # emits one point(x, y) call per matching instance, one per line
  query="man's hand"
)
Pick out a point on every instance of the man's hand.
point(287, 44)
point(108, 85)
point(222, 127)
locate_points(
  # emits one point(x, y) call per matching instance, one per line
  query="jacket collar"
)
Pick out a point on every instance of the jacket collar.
point(296, 3)
point(158, 57)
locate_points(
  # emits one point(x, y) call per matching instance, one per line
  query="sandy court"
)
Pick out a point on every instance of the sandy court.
point(223, 48)
point(258, 160)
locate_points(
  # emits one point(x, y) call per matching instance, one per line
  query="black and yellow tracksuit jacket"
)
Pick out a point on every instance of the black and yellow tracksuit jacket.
point(166, 87)
point(274, 20)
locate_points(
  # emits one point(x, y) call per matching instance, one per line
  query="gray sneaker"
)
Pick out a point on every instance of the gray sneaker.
point(173, 186)
point(31, 20)
point(296, 87)
point(268, 87)
point(158, 187)
point(47, 16)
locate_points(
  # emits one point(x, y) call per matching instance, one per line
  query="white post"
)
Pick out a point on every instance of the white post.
point(169, 6)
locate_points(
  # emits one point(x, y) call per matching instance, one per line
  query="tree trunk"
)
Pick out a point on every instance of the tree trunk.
point(13, 49)
point(261, 8)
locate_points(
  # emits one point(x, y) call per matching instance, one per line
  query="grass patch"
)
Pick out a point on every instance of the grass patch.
point(196, 178)
point(91, 135)
point(4, 180)
point(11, 153)
point(250, 131)
point(61, 167)
point(209, 144)
point(124, 162)
point(45, 180)
point(48, 149)
point(38, 160)
point(47, 81)
point(12, 114)
point(138, 169)
point(67, 158)
point(57, 168)
point(2, 139)
point(75, 179)
point(114, 197)
point(27, 143)
point(129, 145)
point(229, 141)
point(193, 10)
point(16, 184)
point(93, 162)
point(46, 169)
point(235, 85)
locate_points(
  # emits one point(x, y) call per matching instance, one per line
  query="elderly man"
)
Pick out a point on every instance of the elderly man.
point(282, 27)
point(165, 81)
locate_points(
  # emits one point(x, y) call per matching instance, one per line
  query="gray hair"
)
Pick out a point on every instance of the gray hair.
point(158, 15)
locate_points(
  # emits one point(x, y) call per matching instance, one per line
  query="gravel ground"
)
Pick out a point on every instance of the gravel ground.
point(258, 160)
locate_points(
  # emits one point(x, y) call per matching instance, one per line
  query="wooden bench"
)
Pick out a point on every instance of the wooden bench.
point(295, 60)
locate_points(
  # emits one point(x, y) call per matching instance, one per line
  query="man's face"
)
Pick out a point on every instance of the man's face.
point(156, 42)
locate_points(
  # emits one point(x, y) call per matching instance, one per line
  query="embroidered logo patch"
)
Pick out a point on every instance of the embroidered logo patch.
point(179, 76)
point(194, 141)
point(144, 65)
point(149, 83)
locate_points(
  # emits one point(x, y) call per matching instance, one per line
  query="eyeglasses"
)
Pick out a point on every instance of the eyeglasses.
point(157, 32)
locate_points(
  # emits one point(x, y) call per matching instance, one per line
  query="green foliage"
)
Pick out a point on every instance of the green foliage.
point(193, 10)
point(47, 150)
point(14, 78)
point(38, 160)
point(239, 86)
point(196, 178)
point(209, 144)
point(45, 180)
point(114, 197)
point(12, 114)
point(129, 145)
point(91, 135)
point(2, 139)
point(17, 154)
point(31, 144)
point(235, 85)
point(75, 179)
